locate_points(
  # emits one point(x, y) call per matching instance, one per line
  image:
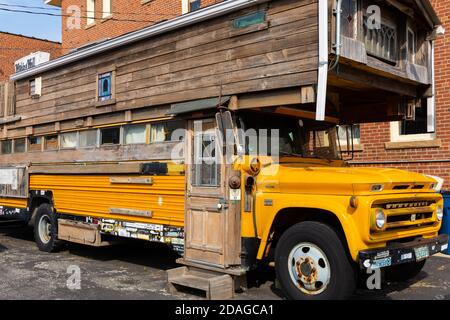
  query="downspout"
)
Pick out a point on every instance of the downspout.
point(338, 45)
point(431, 102)
point(323, 55)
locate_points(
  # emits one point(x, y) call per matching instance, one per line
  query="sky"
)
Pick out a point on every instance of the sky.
point(38, 26)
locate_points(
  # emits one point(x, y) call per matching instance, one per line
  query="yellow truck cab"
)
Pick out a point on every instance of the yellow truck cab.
point(323, 218)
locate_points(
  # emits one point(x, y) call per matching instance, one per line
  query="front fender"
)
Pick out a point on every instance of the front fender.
point(268, 205)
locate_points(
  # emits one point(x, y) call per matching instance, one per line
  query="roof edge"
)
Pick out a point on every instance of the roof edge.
point(428, 7)
point(147, 32)
point(30, 37)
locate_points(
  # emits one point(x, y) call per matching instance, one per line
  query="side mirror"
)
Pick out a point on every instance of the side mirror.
point(224, 122)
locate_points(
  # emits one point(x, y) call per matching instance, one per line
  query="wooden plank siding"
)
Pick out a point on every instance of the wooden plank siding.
point(187, 64)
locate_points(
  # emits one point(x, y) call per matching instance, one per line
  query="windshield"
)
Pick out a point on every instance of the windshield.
point(271, 134)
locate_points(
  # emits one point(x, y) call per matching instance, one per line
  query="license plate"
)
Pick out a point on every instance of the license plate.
point(421, 253)
point(381, 263)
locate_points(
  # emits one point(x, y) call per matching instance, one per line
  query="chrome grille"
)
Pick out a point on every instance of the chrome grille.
point(408, 214)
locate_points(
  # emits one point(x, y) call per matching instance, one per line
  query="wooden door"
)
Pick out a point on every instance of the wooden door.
point(212, 223)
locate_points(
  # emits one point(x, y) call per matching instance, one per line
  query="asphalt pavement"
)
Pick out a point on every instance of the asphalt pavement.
point(136, 270)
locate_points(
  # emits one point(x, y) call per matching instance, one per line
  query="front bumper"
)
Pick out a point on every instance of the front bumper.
point(400, 253)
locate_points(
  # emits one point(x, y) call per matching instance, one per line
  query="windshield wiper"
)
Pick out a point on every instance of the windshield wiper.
point(291, 154)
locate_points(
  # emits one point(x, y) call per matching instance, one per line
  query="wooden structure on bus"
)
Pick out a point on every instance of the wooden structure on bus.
point(264, 55)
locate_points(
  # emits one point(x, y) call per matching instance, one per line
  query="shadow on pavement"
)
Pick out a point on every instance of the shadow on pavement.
point(387, 288)
point(147, 254)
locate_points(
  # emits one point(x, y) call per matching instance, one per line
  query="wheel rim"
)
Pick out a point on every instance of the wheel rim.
point(44, 228)
point(309, 268)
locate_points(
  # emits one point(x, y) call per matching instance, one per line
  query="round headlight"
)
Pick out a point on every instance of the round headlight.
point(380, 219)
point(439, 213)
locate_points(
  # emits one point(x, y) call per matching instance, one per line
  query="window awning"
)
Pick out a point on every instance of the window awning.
point(197, 105)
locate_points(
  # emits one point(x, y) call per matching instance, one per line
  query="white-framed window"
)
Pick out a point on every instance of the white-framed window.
point(90, 11)
point(381, 43)
point(20, 145)
point(35, 86)
point(88, 138)
point(6, 146)
point(105, 86)
point(35, 143)
point(190, 5)
point(135, 134)
point(349, 18)
point(411, 37)
point(107, 8)
point(110, 136)
point(51, 142)
point(69, 140)
point(163, 131)
point(413, 130)
point(205, 168)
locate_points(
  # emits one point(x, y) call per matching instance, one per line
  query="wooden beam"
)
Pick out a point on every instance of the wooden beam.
point(373, 80)
point(87, 169)
point(291, 96)
point(131, 212)
point(403, 8)
point(425, 13)
point(302, 114)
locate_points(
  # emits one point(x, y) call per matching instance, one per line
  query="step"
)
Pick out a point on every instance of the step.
point(234, 271)
point(217, 286)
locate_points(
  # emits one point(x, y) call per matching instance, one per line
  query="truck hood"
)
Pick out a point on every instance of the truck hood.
point(298, 178)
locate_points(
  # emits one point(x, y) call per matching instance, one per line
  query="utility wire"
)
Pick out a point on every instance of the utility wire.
point(71, 16)
point(21, 49)
point(87, 11)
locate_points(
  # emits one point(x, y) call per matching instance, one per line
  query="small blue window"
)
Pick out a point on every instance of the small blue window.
point(194, 5)
point(249, 20)
point(104, 86)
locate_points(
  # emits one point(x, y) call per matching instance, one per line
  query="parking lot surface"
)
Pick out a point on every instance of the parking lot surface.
point(136, 270)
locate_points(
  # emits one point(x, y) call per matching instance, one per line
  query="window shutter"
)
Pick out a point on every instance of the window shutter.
point(2, 99)
point(11, 99)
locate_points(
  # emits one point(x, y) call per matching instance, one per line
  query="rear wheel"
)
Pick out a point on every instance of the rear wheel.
point(311, 263)
point(404, 272)
point(46, 229)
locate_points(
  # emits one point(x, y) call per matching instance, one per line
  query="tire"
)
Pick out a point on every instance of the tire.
point(404, 272)
point(46, 229)
point(313, 248)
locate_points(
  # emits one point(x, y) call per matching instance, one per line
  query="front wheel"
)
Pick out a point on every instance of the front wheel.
point(311, 263)
point(46, 229)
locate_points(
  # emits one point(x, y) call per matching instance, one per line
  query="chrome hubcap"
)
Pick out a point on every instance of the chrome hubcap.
point(309, 268)
point(44, 228)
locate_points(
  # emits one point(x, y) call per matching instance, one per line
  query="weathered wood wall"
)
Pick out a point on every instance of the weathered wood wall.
point(188, 64)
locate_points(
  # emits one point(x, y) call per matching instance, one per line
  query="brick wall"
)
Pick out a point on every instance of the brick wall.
point(144, 12)
point(14, 47)
point(436, 160)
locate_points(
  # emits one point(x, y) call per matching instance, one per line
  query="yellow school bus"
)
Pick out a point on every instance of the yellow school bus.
point(217, 133)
